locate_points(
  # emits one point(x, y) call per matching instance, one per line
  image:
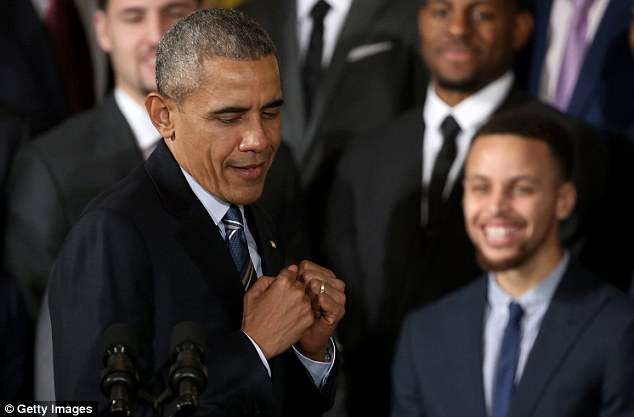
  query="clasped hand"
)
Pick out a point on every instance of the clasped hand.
point(294, 308)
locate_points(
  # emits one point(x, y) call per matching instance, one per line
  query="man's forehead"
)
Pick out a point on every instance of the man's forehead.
point(118, 5)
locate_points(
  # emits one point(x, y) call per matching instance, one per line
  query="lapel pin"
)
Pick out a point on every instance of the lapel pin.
point(273, 244)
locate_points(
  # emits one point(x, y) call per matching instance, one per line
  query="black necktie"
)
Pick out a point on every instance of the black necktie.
point(314, 54)
point(237, 243)
point(507, 362)
point(444, 160)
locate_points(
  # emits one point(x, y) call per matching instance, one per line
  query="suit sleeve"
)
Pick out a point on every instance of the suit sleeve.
point(36, 223)
point(618, 385)
point(406, 401)
point(101, 277)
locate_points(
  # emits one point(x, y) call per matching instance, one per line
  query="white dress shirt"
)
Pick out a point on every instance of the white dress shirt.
point(557, 38)
point(333, 23)
point(217, 208)
point(535, 304)
point(470, 113)
point(144, 132)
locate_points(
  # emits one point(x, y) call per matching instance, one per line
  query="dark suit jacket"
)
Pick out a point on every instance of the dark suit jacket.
point(16, 351)
point(375, 74)
point(375, 241)
point(52, 180)
point(604, 93)
point(147, 253)
point(582, 362)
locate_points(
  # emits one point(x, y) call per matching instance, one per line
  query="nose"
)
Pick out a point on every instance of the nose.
point(459, 24)
point(155, 28)
point(498, 202)
point(254, 138)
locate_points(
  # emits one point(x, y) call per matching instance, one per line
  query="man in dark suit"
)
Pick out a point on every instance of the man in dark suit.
point(182, 238)
point(395, 230)
point(589, 80)
point(55, 176)
point(343, 75)
point(537, 335)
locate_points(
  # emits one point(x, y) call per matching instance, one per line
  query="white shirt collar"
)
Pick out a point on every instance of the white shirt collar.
point(216, 207)
point(338, 6)
point(137, 117)
point(333, 25)
point(471, 112)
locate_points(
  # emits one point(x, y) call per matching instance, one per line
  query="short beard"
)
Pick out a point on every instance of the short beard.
point(470, 85)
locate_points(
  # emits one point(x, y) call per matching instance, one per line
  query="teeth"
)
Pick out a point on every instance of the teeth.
point(497, 232)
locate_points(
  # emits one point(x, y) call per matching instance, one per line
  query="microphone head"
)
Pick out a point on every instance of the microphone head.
point(120, 334)
point(188, 332)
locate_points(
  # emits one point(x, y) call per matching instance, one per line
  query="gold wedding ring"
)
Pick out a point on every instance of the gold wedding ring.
point(322, 289)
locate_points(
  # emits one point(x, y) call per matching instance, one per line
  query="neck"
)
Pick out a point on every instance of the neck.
point(518, 281)
point(451, 97)
point(136, 96)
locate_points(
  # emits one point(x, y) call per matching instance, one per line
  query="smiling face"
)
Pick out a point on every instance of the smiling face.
point(514, 198)
point(468, 43)
point(225, 134)
point(129, 31)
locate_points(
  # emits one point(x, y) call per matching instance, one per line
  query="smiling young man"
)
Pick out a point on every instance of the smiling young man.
point(183, 238)
point(395, 226)
point(537, 335)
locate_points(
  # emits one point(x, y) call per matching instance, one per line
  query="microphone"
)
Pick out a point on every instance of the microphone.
point(119, 379)
point(188, 374)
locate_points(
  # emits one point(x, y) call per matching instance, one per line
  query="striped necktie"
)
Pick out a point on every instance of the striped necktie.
point(237, 244)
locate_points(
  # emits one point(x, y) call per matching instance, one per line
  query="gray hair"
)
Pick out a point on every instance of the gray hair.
point(206, 34)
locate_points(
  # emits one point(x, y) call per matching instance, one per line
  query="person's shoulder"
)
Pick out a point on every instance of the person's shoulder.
point(438, 315)
point(385, 145)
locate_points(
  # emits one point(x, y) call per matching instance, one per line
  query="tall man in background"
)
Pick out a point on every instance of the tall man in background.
point(348, 66)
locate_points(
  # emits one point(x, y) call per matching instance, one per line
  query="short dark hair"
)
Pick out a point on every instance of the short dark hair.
point(203, 35)
point(533, 124)
point(102, 4)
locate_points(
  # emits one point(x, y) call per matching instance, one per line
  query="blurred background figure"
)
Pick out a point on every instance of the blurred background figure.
point(51, 69)
point(580, 62)
point(348, 66)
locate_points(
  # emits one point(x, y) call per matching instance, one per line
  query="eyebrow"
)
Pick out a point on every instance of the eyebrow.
point(480, 177)
point(235, 109)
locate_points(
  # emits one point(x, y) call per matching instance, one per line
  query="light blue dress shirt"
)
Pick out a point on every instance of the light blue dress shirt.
point(535, 304)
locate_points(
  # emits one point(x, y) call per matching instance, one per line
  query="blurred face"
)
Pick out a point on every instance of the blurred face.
point(129, 31)
point(513, 201)
point(468, 43)
point(226, 133)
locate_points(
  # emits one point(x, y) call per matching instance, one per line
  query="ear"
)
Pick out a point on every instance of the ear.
point(566, 200)
point(162, 113)
point(523, 29)
point(101, 31)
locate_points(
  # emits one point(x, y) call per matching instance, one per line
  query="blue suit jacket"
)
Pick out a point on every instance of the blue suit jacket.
point(582, 362)
point(604, 93)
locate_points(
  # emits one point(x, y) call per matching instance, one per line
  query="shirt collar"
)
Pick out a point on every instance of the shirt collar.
point(304, 7)
point(540, 295)
point(137, 117)
point(216, 207)
point(471, 112)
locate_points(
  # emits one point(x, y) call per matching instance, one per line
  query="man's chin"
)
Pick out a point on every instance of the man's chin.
point(498, 265)
point(459, 84)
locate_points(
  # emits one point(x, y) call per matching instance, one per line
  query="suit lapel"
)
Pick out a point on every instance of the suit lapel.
point(357, 24)
point(196, 230)
point(284, 31)
point(612, 23)
point(117, 140)
point(465, 352)
point(572, 307)
point(260, 226)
